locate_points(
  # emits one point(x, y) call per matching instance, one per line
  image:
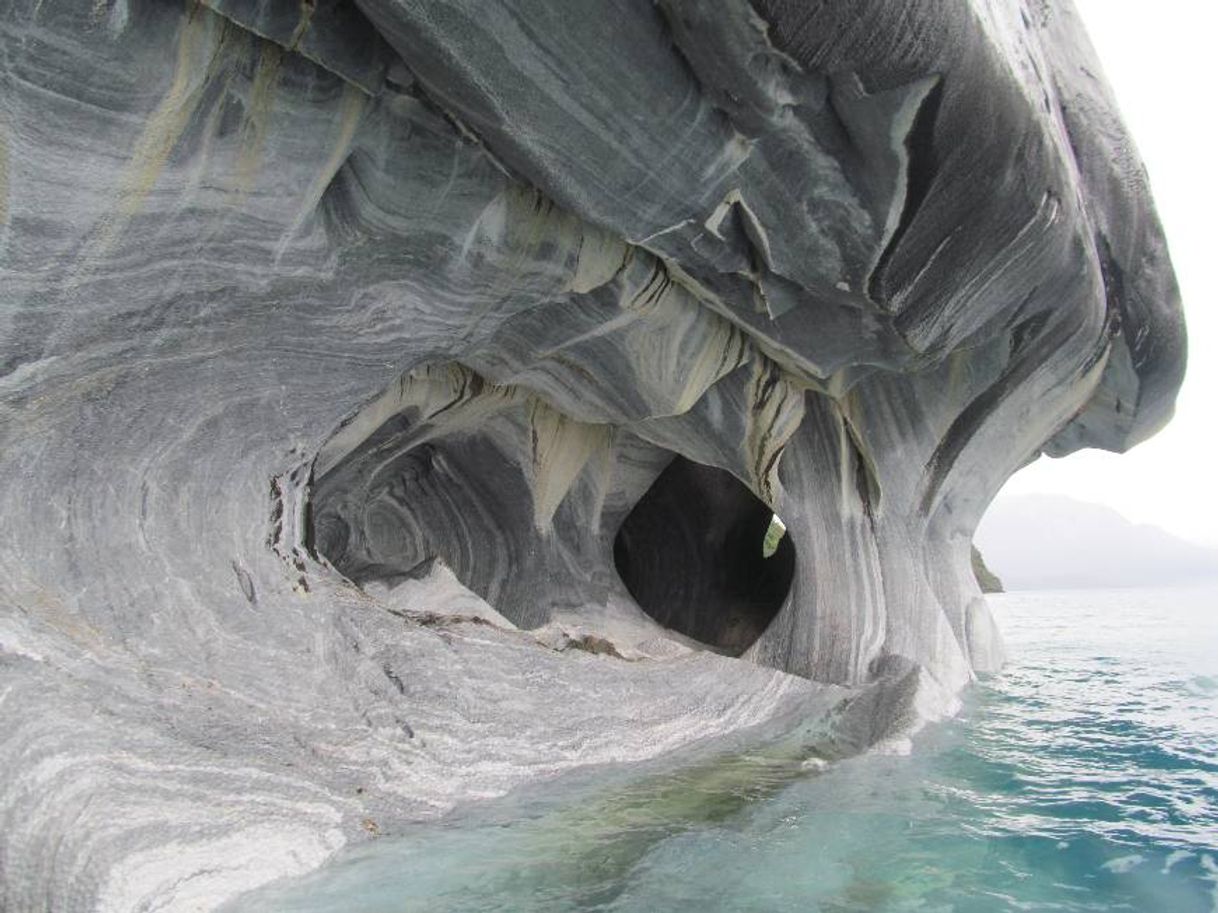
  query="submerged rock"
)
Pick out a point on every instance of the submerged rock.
point(348, 351)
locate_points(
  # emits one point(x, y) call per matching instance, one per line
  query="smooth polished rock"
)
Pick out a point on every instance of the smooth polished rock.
point(338, 342)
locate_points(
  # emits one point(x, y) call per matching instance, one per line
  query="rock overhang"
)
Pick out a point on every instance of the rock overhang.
point(865, 258)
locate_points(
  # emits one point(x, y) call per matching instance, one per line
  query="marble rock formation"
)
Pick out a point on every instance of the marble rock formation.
point(395, 394)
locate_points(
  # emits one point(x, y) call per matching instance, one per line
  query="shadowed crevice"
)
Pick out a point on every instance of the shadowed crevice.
point(691, 554)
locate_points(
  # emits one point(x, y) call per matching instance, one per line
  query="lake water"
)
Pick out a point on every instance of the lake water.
point(1083, 778)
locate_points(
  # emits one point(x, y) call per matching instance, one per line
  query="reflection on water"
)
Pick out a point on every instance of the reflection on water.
point(572, 847)
point(1084, 778)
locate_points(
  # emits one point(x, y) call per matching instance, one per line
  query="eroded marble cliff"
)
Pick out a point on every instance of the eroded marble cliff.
point(395, 394)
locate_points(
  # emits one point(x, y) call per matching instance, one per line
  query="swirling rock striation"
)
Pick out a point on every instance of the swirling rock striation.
point(392, 393)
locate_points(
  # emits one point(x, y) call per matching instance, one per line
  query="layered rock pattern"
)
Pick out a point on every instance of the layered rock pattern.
point(341, 340)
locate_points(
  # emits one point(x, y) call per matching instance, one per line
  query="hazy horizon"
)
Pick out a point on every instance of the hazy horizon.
point(1042, 540)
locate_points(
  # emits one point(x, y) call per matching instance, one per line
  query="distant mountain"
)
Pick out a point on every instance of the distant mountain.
point(1041, 542)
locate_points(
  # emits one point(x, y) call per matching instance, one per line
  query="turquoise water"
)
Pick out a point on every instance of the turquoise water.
point(1083, 778)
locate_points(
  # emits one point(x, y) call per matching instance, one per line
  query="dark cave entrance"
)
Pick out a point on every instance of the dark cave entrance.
point(693, 554)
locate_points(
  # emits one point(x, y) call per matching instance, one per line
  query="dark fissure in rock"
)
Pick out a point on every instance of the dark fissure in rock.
point(690, 553)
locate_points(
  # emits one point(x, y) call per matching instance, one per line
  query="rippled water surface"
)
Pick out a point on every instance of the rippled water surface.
point(1084, 778)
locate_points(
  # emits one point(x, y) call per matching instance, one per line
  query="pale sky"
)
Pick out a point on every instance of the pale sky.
point(1159, 59)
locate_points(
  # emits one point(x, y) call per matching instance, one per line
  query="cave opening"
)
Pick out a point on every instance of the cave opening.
point(705, 557)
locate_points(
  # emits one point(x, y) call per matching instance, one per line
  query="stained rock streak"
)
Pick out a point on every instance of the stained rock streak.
point(349, 352)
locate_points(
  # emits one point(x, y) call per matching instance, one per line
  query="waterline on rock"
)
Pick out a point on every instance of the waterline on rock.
point(1080, 779)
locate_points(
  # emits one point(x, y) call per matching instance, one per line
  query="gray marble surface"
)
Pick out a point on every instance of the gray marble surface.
point(338, 340)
